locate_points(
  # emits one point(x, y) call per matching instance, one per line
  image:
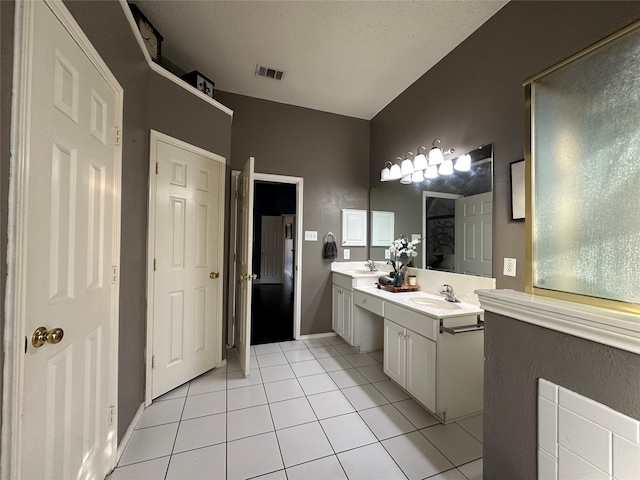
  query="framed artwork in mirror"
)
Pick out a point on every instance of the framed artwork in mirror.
point(517, 190)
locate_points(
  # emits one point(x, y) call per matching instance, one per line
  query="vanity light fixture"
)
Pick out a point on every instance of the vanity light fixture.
point(385, 174)
point(463, 163)
point(420, 160)
point(407, 164)
point(406, 179)
point(435, 154)
point(446, 168)
point(417, 176)
point(394, 172)
point(431, 172)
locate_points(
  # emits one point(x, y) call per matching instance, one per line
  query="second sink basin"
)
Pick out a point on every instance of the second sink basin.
point(434, 303)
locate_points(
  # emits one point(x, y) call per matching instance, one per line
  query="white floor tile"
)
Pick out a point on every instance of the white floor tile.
point(324, 351)
point(279, 475)
point(246, 397)
point(159, 413)
point(233, 365)
point(348, 378)
point(237, 379)
point(386, 421)
point(327, 468)
point(361, 359)
point(201, 432)
point(317, 384)
point(303, 443)
point(347, 431)
point(344, 349)
point(150, 470)
point(316, 342)
point(200, 464)
point(290, 413)
point(276, 373)
point(283, 390)
point(149, 443)
point(253, 456)
point(453, 474)
point(304, 369)
point(271, 359)
point(473, 425)
point(300, 355)
point(205, 404)
point(207, 383)
point(331, 364)
point(416, 456)
point(456, 444)
point(330, 404)
point(364, 396)
point(472, 470)
point(267, 348)
point(248, 422)
point(252, 351)
point(391, 391)
point(416, 413)
point(292, 345)
point(178, 392)
point(370, 463)
point(373, 373)
point(378, 355)
point(336, 340)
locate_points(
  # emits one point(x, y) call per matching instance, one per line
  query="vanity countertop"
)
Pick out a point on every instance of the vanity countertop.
point(424, 303)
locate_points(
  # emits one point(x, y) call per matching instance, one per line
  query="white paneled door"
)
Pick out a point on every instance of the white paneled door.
point(271, 249)
point(67, 185)
point(188, 251)
point(245, 251)
point(473, 234)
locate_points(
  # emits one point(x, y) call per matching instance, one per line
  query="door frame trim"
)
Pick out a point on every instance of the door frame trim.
point(15, 295)
point(154, 138)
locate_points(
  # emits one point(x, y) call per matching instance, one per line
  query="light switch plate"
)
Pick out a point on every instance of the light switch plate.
point(387, 254)
point(311, 236)
point(346, 253)
point(415, 236)
point(510, 267)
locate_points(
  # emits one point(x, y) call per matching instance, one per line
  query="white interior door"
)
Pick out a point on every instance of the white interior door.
point(67, 253)
point(473, 234)
point(271, 250)
point(188, 249)
point(245, 250)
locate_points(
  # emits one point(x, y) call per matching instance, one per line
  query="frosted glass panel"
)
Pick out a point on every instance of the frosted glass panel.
point(586, 174)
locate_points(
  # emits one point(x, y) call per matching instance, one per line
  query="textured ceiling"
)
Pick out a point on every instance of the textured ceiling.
point(346, 57)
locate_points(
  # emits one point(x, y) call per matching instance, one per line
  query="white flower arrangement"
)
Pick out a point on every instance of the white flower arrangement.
point(403, 251)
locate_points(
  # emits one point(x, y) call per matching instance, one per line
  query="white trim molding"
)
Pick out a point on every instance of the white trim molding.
point(161, 71)
point(609, 327)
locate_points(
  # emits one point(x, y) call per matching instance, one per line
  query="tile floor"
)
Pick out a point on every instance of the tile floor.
point(311, 409)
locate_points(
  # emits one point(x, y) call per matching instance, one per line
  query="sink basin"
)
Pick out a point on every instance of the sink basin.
point(434, 303)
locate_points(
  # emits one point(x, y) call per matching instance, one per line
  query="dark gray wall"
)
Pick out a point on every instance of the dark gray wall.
point(331, 153)
point(516, 355)
point(475, 96)
point(6, 82)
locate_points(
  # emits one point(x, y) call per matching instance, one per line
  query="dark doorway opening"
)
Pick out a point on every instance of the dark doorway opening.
point(274, 218)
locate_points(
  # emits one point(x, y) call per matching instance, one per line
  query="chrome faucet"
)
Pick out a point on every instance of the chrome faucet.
point(449, 294)
point(371, 266)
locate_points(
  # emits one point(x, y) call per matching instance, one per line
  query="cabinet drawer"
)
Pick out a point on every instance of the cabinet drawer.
point(344, 281)
point(368, 302)
point(420, 324)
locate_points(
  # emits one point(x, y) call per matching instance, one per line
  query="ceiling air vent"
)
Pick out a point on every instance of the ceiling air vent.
point(269, 72)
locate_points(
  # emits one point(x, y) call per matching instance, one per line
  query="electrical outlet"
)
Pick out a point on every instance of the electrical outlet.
point(346, 253)
point(310, 236)
point(510, 267)
point(387, 254)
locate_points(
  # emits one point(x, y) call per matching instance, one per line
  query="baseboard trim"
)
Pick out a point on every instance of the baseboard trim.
point(127, 435)
point(317, 335)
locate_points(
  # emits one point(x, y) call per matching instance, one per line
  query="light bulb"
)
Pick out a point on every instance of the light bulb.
point(431, 172)
point(417, 176)
point(463, 163)
point(406, 180)
point(446, 168)
point(385, 175)
point(420, 162)
point(407, 167)
point(394, 172)
point(435, 156)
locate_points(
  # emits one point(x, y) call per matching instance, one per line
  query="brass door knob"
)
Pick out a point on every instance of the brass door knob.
point(254, 276)
point(244, 276)
point(214, 275)
point(41, 335)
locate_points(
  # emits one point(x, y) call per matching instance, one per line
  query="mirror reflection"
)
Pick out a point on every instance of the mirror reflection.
point(452, 214)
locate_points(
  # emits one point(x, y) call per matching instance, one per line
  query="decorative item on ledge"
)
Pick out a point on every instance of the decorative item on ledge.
point(150, 36)
point(402, 288)
point(199, 81)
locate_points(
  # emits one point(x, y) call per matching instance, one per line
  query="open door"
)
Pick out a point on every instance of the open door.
point(473, 234)
point(245, 252)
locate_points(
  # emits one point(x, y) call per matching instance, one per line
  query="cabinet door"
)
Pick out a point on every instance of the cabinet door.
point(347, 315)
point(336, 309)
point(421, 369)
point(394, 352)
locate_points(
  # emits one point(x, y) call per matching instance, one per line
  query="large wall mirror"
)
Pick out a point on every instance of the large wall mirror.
point(452, 214)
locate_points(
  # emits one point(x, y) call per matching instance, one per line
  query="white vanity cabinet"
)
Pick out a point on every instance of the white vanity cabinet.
point(342, 312)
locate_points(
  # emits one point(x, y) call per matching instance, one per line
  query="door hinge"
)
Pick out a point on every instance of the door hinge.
point(157, 168)
point(117, 138)
point(114, 274)
point(112, 415)
point(155, 264)
point(153, 361)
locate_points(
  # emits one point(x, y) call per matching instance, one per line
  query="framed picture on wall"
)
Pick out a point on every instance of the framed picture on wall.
point(517, 190)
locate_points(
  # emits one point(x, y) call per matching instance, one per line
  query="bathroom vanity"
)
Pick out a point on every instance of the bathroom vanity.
point(433, 349)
